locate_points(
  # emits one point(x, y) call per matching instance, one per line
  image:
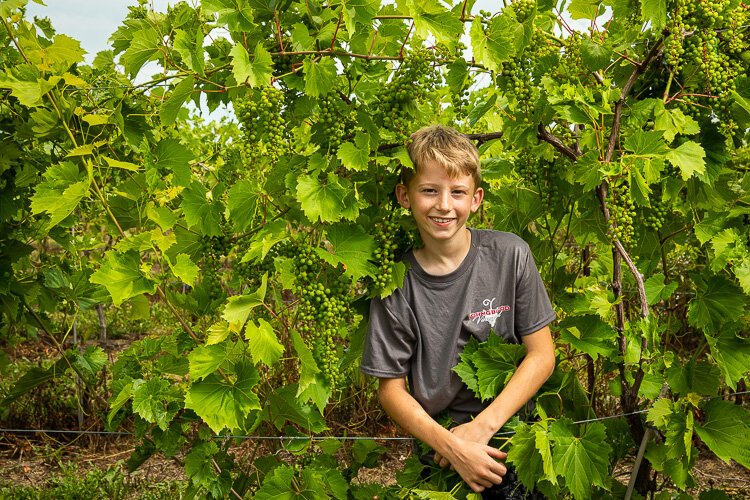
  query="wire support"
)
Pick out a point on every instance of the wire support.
point(324, 438)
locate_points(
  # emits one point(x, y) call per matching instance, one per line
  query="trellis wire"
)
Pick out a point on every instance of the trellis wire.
point(325, 438)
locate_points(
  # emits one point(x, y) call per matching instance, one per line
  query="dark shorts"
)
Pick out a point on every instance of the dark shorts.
point(510, 489)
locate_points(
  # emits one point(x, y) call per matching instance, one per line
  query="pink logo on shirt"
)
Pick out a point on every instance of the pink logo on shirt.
point(490, 314)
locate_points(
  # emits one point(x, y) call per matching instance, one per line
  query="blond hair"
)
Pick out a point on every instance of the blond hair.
point(447, 147)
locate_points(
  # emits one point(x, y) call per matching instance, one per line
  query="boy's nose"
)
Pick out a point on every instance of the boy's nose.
point(443, 202)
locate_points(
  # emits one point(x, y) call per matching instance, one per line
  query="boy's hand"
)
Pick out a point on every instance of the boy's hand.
point(476, 463)
point(471, 431)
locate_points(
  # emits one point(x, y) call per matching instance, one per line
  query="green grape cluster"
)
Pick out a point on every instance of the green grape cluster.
point(655, 217)
point(539, 174)
point(704, 36)
point(260, 115)
point(216, 246)
point(411, 85)
point(523, 8)
point(250, 271)
point(386, 238)
point(323, 309)
point(517, 80)
point(336, 122)
point(528, 167)
point(621, 212)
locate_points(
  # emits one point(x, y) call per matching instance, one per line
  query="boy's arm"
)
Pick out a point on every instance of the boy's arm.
point(531, 374)
point(475, 462)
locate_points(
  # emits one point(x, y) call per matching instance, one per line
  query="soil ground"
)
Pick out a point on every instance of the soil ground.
point(24, 462)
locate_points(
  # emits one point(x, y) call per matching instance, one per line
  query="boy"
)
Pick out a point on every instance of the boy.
point(462, 282)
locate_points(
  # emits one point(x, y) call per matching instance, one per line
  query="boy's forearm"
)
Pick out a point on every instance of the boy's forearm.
point(401, 406)
point(531, 374)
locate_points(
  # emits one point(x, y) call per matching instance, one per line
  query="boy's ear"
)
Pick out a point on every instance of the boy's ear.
point(476, 199)
point(402, 195)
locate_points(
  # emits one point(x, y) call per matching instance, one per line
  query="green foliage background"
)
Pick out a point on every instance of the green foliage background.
point(619, 152)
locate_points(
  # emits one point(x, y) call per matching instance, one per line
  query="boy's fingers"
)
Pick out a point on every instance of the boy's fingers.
point(495, 453)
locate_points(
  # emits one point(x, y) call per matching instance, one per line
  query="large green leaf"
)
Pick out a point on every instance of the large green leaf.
point(256, 73)
point(589, 334)
point(716, 302)
point(655, 12)
point(243, 203)
point(308, 368)
point(151, 400)
point(143, 47)
point(431, 18)
point(657, 290)
point(732, 354)
point(60, 193)
point(238, 308)
point(264, 345)
point(352, 247)
point(201, 210)
point(283, 406)
point(690, 158)
point(205, 360)
point(582, 460)
point(225, 403)
point(495, 365)
point(324, 201)
point(320, 76)
point(172, 105)
point(726, 431)
point(531, 461)
point(121, 275)
point(355, 155)
point(495, 46)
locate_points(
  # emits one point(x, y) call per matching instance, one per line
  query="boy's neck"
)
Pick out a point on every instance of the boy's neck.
point(439, 258)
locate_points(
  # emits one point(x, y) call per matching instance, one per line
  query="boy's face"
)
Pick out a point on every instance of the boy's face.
point(440, 204)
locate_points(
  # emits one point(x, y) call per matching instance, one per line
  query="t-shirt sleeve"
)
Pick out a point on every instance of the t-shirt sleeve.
point(389, 346)
point(533, 307)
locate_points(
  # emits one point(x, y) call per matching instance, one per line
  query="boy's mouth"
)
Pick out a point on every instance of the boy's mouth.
point(442, 220)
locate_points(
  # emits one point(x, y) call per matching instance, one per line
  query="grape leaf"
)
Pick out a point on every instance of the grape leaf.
point(238, 308)
point(320, 76)
point(185, 269)
point(284, 406)
point(352, 247)
point(525, 456)
point(222, 403)
point(655, 12)
point(190, 47)
point(121, 275)
point(657, 290)
point(495, 46)
point(582, 460)
point(308, 367)
point(716, 302)
point(243, 203)
point(205, 360)
point(589, 334)
point(257, 73)
point(732, 354)
point(355, 156)
point(264, 345)
point(584, 9)
point(689, 157)
point(172, 105)
point(431, 18)
point(201, 209)
point(171, 157)
point(322, 201)
point(495, 365)
point(726, 431)
point(151, 401)
point(143, 47)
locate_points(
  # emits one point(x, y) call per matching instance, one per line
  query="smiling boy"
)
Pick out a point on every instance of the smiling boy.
point(461, 283)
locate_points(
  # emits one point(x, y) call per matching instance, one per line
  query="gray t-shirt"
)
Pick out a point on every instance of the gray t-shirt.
point(421, 328)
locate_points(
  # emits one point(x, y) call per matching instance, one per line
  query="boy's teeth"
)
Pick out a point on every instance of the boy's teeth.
point(437, 219)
